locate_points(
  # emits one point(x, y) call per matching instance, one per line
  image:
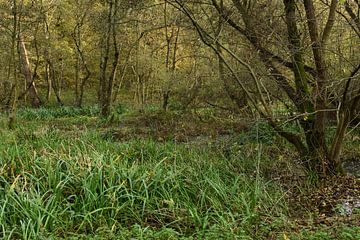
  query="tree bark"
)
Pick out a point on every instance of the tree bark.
point(26, 68)
point(107, 80)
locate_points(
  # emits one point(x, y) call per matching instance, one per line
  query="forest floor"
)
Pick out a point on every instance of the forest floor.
point(64, 173)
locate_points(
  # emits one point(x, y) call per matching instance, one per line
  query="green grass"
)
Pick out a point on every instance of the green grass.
point(56, 112)
point(61, 178)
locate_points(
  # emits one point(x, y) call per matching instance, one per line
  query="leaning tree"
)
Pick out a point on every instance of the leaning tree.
point(294, 43)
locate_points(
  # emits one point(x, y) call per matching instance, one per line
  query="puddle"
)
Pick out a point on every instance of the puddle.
point(352, 167)
point(349, 207)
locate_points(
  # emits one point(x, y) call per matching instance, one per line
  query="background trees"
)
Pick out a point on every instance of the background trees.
point(266, 56)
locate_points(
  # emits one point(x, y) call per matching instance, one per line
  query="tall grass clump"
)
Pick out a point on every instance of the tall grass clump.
point(53, 186)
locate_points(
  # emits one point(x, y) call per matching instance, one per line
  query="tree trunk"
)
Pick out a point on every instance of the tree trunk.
point(33, 95)
point(77, 81)
point(48, 81)
point(166, 97)
point(107, 76)
point(316, 138)
point(170, 60)
point(54, 83)
point(13, 66)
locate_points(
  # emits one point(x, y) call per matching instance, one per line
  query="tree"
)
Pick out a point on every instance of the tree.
point(12, 66)
point(307, 89)
point(82, 70)
point(172, 38)
point(29, 76)
point(109, 52)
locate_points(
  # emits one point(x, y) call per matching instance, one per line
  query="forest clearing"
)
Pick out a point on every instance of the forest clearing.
point(180, 119)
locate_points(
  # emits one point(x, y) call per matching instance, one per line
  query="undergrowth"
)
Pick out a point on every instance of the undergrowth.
point(60, 182)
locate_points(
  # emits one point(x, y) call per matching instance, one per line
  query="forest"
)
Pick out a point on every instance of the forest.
point(180, 119)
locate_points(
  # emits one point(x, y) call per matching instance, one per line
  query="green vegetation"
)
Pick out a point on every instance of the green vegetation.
point(63, 177)
point(179, 119)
